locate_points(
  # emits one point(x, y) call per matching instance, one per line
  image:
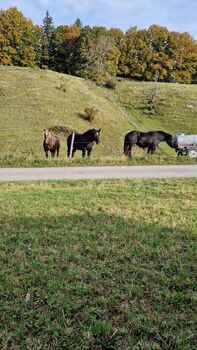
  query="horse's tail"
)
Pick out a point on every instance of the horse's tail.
point(69, 139)
point(68, 144)
point(126, 145)
point(129, 140)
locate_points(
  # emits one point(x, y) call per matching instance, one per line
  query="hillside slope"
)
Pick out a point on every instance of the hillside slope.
point(175, 106)
point(33, 99)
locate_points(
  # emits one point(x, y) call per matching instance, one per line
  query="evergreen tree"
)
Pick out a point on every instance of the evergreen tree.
point(78, 23)
point(48, 45)
point(82, 50)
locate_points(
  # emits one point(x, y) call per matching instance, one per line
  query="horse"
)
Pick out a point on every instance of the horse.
point(83, 142)
point(51, 143)
point(149, 140)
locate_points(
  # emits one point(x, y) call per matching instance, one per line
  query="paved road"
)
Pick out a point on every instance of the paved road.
point(104, 172)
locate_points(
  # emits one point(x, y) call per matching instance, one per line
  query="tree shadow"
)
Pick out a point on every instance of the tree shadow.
point(95, 272)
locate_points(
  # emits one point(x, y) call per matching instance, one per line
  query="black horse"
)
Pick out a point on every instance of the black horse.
point(83, 142)
point(148, 140)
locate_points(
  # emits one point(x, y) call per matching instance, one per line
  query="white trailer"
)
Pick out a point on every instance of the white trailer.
point(186, 145)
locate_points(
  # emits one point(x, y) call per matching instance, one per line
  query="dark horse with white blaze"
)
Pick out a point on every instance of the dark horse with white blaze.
point(149, 140)
point(51, 143)
point(83, 142)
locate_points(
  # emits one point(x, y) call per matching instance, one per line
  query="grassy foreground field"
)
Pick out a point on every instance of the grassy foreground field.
point(98, 265)
point(33, 99)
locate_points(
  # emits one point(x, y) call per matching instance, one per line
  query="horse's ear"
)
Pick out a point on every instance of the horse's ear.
point(44, 130)
point(99, 130)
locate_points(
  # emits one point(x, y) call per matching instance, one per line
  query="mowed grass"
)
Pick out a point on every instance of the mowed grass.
point(99, 265)
point(33, 99)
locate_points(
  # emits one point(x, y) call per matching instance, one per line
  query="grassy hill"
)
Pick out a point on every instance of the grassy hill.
point(175, 107)
point(33, 99)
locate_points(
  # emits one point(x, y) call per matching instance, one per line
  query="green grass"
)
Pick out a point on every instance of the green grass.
point(33, 99)
point(175, 106)
point(98, 265)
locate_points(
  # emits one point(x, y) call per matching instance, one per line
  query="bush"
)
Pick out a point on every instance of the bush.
point(110, 83)
point(90, 113)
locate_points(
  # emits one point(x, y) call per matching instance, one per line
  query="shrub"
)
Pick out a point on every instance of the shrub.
point(110, 83)
point(152, 96)
point(90, 113)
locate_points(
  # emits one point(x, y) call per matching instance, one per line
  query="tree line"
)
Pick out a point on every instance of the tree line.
point(96, 52)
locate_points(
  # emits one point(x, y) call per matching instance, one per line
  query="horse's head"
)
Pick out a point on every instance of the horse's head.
point(171, 141)
point(47, 135)
point(96, 135)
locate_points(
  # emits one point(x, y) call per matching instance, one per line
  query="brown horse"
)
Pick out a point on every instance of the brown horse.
point(51, 143)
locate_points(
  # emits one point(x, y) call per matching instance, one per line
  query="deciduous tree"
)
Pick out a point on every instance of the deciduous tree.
point(17, 39)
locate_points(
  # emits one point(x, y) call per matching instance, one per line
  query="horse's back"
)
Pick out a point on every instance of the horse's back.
point(76, 138)
point(131, 135)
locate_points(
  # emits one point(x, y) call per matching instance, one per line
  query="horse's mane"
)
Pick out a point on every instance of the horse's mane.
point(168, 136)
point(88, 132)
point(164, 133)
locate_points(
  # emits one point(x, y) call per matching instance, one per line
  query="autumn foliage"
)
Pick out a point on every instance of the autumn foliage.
point(98, 53)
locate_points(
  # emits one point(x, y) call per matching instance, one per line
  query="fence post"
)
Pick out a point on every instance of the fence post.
point(71, 146)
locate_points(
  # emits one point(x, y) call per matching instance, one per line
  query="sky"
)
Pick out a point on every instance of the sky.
point(176, 15)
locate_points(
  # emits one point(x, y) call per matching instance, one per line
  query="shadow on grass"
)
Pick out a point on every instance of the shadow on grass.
point(84, 117)
point(96, 281)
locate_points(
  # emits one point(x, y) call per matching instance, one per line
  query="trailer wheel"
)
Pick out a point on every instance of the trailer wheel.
point(192, 153)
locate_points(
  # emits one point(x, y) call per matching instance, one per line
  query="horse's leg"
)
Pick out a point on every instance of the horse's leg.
point(83, 153)
point(58, 151)
point(89, 152)
point(73, 152)
point(68, 151)
point(152, 149)
point(46, 152)
point(89, 149)
point(130, 151)
point(52, 154)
